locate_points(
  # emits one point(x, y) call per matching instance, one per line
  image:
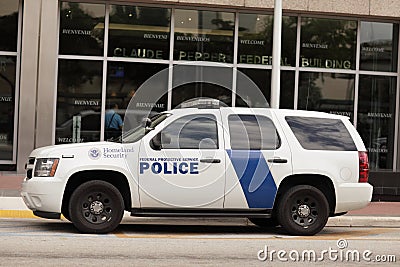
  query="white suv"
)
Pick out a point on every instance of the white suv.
point(276, 167)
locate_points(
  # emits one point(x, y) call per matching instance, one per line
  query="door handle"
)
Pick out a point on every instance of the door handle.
point(277, 160)
point(210, 160)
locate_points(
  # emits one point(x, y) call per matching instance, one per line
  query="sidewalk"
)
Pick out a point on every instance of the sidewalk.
point(376, 214)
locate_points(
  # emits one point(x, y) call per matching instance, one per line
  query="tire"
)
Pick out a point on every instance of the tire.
point(264, 222)
point(96, 207)
point(303, 210)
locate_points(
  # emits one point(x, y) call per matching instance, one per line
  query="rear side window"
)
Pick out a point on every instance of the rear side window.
point(321, 133)
point(252, 132)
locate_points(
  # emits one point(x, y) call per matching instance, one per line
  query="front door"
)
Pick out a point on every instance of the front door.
point(183, 164)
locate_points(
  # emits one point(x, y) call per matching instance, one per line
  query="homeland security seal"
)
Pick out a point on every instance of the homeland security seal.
point(94, 153)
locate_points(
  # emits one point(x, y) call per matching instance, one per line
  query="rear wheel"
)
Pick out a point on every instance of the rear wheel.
point(303, 210)
point(96, 207)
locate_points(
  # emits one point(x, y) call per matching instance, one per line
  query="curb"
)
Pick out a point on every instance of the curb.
point(14, 207)
point(364, 221)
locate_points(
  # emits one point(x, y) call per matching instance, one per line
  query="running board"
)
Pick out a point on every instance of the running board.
point(253, 213)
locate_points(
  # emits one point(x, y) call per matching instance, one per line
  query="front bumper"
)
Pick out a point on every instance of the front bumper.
point(353, 196)
point(43, 194)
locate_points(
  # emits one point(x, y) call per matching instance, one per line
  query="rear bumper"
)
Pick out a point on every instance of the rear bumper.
point(353, 196)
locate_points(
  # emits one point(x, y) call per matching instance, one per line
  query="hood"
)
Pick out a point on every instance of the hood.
point(69, 149)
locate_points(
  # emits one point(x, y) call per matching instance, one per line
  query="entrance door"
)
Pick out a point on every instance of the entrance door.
point(182, 165)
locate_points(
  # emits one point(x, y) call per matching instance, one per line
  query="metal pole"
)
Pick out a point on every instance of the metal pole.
point(276, 55)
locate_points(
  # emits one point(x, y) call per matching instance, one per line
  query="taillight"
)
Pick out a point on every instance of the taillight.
point(363, 167)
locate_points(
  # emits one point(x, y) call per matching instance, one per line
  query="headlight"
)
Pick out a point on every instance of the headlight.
point(46, 167)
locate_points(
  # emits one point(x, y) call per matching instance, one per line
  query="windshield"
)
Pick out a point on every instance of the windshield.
point(137, 133)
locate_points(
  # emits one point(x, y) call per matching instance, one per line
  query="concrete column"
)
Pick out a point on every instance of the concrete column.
point(47, 78)
point(28, 81)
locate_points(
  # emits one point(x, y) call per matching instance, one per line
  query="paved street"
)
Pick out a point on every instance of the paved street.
point(183, 242)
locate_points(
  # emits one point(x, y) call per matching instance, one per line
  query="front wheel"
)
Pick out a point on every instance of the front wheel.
point(96, 207)
point(303, 210)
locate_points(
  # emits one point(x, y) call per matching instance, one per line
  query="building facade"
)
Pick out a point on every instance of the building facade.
point(63, 63)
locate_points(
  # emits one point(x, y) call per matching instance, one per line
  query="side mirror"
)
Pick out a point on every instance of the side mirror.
point(155, 142)
point(158, 140)
point(146, 124)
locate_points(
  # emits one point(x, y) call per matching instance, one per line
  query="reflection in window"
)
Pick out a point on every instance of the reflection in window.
point(321, 133)
point(81, 29)
point(328, 43)
point(123, 81)
point(376, 118)
point(262, 81)
point(204, 36)
point(197, 81)
point(250, 132)
point(379, 46)
point(78, 101)
point(255, 39)
point(139, 32)
point(9, 25)
point(7, 102)
point(328, 92)
point(192, 132)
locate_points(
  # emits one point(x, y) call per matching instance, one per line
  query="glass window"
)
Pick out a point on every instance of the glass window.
point(197, 81)
point(191, 132)
point(81, 29)
point(123, 81)
point(9, 25)
point(328, 43)
point(255, 39)
point(376, 118)
point(78, 101)
point(252, 132)
point(7, 106)
point(262, 80)
point(327, 92)
point(139, 32)
point(204, 35)
point(321, 133)
point(379, 46)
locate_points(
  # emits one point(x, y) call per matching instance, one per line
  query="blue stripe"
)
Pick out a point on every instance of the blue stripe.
point(254, 175)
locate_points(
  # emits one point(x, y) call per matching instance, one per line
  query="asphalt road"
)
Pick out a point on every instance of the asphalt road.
point(192, 242)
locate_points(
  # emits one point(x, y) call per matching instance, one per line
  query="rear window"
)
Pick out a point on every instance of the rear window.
point(321, 133)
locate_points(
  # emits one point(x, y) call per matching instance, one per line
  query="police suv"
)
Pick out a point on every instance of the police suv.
point(275, 167)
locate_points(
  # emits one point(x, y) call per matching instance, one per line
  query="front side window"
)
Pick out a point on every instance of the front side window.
point(321, 133)
point(191, 132)
point(252, 132)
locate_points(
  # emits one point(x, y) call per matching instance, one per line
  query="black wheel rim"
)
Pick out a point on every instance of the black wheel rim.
point(97, 207)
point(304, 210)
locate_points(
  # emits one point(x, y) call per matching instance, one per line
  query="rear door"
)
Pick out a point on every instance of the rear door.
point(258, 158)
